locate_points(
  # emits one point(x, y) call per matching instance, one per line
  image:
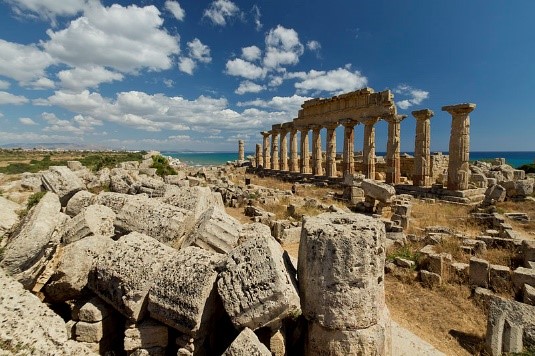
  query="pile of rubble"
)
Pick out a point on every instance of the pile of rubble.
point(156, 266)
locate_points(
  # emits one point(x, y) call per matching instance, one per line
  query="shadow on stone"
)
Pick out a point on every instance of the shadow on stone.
point(472, 343)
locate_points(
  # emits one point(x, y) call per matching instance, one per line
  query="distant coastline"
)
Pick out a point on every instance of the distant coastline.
point(208, 158)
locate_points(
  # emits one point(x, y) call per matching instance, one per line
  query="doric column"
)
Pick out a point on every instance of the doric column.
point(275, 147)
point(368, 149)
point(284, 146)
point(294, 159)
point(393, 169)
point(317, 161)
point(331, 151)
point(459, 152)
point(305, 167)
point(241, 151)
point(267, 156)
point(422, 152)
point(349, 147)
point(259, 157)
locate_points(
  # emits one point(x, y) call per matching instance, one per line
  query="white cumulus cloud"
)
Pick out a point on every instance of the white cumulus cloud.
point(47, 9)
point(4, 84)
point(199, 51)
point(187, 65)
point(251, 53)
point(126, 39)
point(87, 77)
point(249, 87)
point(8, 98)
point(416, 96)
point(334, 81)
point(313, 45)
point(221, 11)
point(240, 68)
point(282, 47)
point(175, 8)
point(27, 121)
point(23, 63)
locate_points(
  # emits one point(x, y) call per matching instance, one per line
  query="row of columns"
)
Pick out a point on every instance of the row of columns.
point(458, 169)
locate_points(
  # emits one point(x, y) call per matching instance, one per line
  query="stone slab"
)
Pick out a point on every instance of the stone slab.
point(123, 274)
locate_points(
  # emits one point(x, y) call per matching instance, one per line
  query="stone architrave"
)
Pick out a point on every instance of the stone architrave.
point(368, 150)
point(305, 167)
point(294, 159)
point(241, 151)
point(331, 151)
point(422, 153)
point(267, 156)
point(283, 164)
point(259, 157)
point(349, 147)
point(459, 150)
point(393, 169)
point(275, 164)
point(317, 161)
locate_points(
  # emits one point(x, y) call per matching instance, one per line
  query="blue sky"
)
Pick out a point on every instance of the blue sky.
point(200, 75)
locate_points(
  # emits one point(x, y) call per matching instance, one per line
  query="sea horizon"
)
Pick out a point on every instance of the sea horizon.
point(212, 158)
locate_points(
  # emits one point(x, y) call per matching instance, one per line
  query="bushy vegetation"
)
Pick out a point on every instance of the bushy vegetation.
point(94, 162)
point(34, 199)
point(162, 166)
point(528, 168)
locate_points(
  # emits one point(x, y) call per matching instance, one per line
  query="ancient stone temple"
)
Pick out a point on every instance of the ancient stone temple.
point(363, 107)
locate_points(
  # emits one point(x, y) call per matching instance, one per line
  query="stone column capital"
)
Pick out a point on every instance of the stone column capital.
point(424, 114)
point(459, 109)
point(394, 119)
point(315, 127)
point(369, 121)
point(266, 133)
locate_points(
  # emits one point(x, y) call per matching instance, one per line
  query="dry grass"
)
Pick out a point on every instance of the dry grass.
point(452, 245)
point(445, 316)
point(454, 216)
point(527, 207)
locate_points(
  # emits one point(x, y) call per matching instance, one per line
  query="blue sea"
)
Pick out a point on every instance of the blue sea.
point(515, 159)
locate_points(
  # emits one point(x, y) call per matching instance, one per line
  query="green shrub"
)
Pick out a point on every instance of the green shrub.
point(34, 199)
point(162, 166)
point(528, 168)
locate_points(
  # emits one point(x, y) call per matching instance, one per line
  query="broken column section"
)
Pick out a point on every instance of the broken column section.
point(341, 264)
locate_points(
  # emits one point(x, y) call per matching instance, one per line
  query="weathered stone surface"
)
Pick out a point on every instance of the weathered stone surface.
point(121, 180)
point(29, 326)
point(114, 201)
point(31, 181)
point(80, 200)
point(62, 181)
point(92, 332)
point(510, 326)
point(166, 223)
point(123, 275)
point(70, 277)
point(194, 199)
point(479, 272)
point(255, 285)
point(522, 276)
point(519, 188)
point(406, 343)
point(93, 310)
point(183, 294)
point(247, 344)
point(93, 220)
point(145, 335)
point(528, 294)
point(377, 190)
point(341, 264)
point(403, 262)
point(35, 240)
point(8, 214)
point(215, 231)
point(366, 341)
point(495, 193)
point(528, 252)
